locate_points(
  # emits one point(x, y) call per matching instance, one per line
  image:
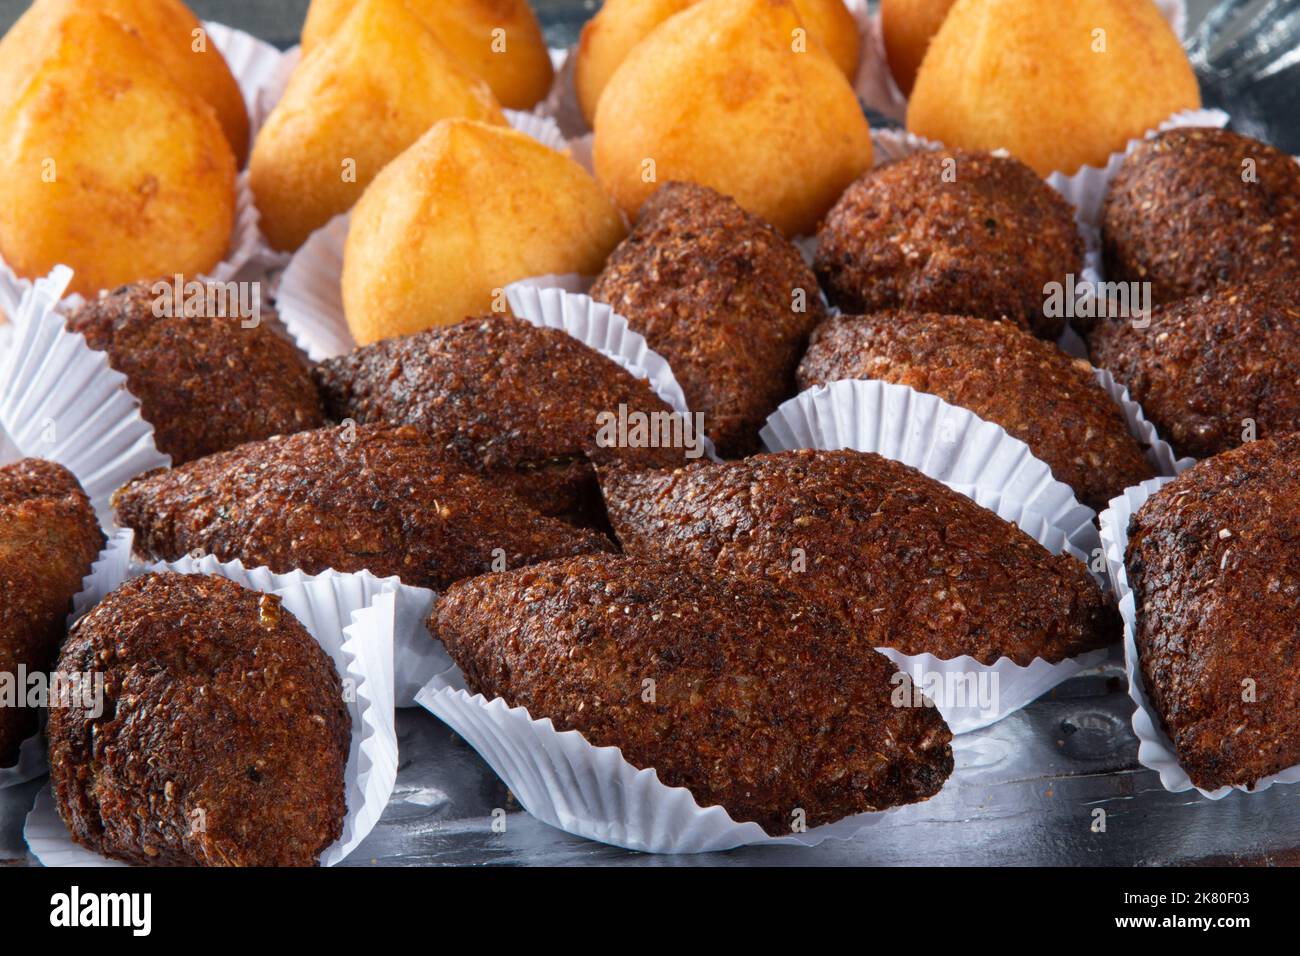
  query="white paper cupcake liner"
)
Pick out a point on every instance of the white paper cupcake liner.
point(593, 792)
point(1155, 749)
point(949, 443)
point(354, 624)
point(417, 657)
point(309, 299)
point(60, 400)
point(105, 574)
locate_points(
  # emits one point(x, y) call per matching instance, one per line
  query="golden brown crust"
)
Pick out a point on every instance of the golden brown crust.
point(898, 556)
point(1180, 214)
point(953, 231)
point(713, 289)
point(49, 540)
point(224, 736)
point(760, 702)
point(1205, 366)
point(205, 383)
point(1214, 562)
point(515, 402)
point(353, 498)
point(1031, 388)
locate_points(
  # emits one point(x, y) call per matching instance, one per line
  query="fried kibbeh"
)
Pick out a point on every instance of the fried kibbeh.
point(169, 30)
point(619, 25)
point(521, 404)
point(1214, 562)
point(206, 382)
point(1193, 208)
point(722, 95)
point(219, 705)
point(901, 558)
point(112, 167)
point(1059, 85)
point(908, 26)
point(499, 41)
point(466, 210)
point(763, 703)
point(352, 498)
point(353, 105)
point(950, 232)
point(49, 540)
point(1213, 371)
point(1039, 394)
point(724, 298)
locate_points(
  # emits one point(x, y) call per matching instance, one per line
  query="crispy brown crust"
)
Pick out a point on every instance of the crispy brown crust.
point(1205, 365)
point(1214, 563)
point(1179, 215)
point(206, 384)
point(761, 703)
point(985, 244)
point(367, 497)
point(1031, 388)
point(712, 288)
point(518, 403)
point(219, 707)
point(49, 539)
point(901, 558)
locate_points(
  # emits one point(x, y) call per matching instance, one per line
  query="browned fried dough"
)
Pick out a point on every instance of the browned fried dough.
point(49, 539)
point(205, 383)
point(1214, 563)
point(1207, 366)
point(520, 404)
point(904, 560)
point(223, 738)
point(762, 703)
point(353, 498)
point(954, 231)
point(723, 297)
point(1194, 208)
point(1031, 388)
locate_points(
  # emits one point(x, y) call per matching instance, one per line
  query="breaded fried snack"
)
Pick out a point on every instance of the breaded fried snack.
point(950, 232)
point(1214, 371)
point(468, 209)
point(523, 405)
point(354, 104)
point(172, 35)
point(353, 498)
point(1059, 85)
point(49, 539)
point(619, 25)
point(1194, 208)
point(499, 41)
point(205, 382)
point(1050, 401)
point(724, 298)
point(762, 703)
point(111, 166)
point(1215, 571)
point(908, 27)
point(223, 737)
point(734, 95)
point(902, 559)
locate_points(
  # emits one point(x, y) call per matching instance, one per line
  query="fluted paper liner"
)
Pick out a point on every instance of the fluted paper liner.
point(946, 442)
point(60, 400)
point(351, 617)
point(1155, 749)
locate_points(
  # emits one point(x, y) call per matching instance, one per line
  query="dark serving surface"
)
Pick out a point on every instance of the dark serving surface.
point(1026, 790)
